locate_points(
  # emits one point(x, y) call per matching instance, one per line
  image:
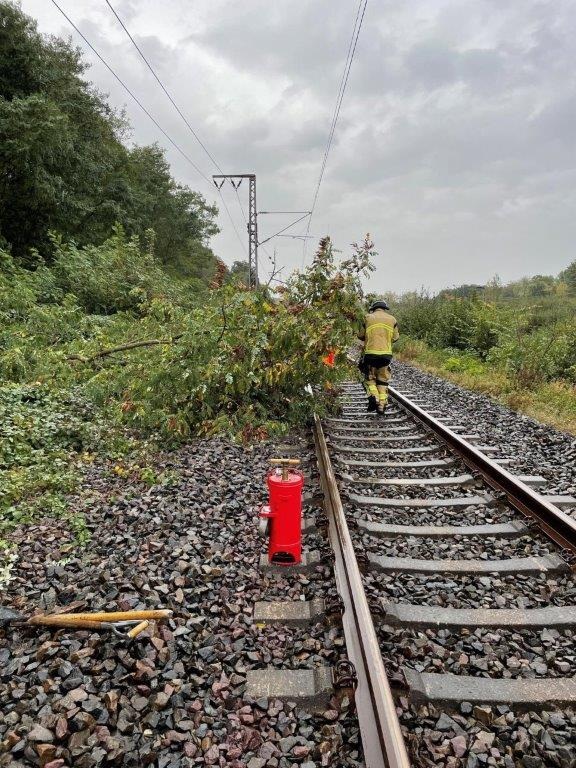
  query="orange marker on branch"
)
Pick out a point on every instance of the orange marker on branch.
point(330, 359)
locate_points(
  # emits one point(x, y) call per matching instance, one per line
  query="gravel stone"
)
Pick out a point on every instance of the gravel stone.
point(39, 733)
point(475, 736)
point(175, 697)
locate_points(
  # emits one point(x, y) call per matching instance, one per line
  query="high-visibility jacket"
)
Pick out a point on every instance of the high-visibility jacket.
point(380, 330)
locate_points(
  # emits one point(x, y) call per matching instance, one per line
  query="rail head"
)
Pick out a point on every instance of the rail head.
point(554, 523)
point(382, 738)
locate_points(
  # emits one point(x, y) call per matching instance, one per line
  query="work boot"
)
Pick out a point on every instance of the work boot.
point(372, 404)
point(381, 409)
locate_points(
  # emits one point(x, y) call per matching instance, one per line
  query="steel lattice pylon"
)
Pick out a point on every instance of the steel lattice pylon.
point(252, 232)
point(236, 180)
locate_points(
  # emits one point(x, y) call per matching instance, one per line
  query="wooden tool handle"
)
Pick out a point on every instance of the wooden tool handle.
point(63, 622)
point(286, 462)
point(137, 629)
point(73, 618)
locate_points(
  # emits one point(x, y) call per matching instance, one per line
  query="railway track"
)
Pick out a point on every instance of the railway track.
point(457, 582)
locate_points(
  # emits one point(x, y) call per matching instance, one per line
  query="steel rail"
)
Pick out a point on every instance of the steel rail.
point(554, 523)
point(380, 730)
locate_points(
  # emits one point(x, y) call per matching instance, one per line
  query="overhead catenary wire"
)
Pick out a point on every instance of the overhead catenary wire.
point(185, 119)
point(131, 93)
point(285, 228)
point(339, 99)
point(183, 116)
point(147, 113)
point(301, 237)
point(266, 251)
point(189, 126)
point(161, 84)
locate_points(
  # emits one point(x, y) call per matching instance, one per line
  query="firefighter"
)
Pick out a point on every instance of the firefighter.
point(380, 330)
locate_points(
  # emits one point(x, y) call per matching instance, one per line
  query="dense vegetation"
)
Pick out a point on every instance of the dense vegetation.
point(516, 340)
point(114, 366)
point(64, 166)
point(120, 331)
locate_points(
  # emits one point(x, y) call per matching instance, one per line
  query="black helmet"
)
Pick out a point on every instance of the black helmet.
point(380, 304)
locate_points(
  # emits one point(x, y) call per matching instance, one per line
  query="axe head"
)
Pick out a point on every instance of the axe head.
point(7, 616)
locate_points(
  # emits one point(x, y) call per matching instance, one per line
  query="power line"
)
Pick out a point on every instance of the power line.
point(242, 243)
point(184, 118)
point(188, 125)
point(244, 214)
point(127, 89)
point(161, 84)
point(147, 113)
point(266, 251)
point(285, 228)
point(339, 99)
point(300, 237)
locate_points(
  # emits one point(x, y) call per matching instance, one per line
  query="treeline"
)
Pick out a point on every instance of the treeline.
point(525, 328)
point(79, 384)
point(120, 332)
point(66, 171)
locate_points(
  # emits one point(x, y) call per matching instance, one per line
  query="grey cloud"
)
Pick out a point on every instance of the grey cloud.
point(558, 121)
point(455, 145)
point(431, 64)
point(281, 37)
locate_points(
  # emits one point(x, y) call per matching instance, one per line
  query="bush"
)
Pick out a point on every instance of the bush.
point(73, 302)
point(241, 362)
point(236, 361)
point(113, 277)
point(454, 324)
point(543, 355)
point(463, 363)
point(41, 431)
point(17, 290)
point(532, 344)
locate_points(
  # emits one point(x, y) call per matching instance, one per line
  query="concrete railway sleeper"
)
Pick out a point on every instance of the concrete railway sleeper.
point(455, 592)
point(453, 644)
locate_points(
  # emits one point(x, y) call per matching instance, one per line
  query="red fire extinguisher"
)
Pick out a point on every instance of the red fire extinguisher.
point(283, 516)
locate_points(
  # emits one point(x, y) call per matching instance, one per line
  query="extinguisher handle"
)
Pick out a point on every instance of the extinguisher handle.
point(266, 512)
point(285, 463)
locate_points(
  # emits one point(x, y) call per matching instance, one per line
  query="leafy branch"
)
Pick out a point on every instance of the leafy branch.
point(123, 348)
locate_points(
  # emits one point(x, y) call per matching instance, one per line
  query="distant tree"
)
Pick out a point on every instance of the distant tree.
point(493, 289)
point(64, 168)
point(568, 276)
point(178, 215)
point(462, 291)
point(540, 285)
point(239, 272)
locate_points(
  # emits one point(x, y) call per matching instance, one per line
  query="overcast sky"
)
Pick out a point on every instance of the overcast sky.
point(456, 146)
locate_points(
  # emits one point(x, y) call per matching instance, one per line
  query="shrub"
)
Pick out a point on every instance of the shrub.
point(17, 290)
point(239, 363)
point(464, 364)
point(113, 277)
point(543, 355)
point(41, 431)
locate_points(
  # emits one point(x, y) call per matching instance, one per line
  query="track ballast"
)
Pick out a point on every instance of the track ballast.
point(466, 568)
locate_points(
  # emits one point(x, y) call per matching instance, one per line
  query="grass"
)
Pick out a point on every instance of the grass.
point(552, 403)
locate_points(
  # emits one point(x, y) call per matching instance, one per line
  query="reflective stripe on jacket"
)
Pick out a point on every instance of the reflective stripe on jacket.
point(380, 330)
